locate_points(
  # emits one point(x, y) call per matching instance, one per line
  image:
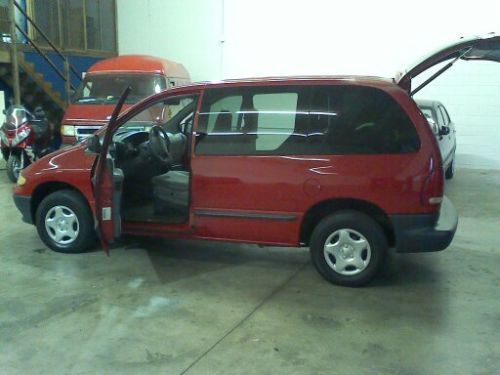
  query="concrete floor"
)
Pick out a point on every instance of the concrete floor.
point(169, 306)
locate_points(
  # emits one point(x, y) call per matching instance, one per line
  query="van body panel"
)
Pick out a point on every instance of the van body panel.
point(264, 198)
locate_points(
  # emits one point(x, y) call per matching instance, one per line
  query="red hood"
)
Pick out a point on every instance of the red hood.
point(70, 165)
point(71, 158)
point(88, 114)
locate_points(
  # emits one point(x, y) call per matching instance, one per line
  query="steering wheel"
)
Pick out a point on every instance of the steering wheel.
point(159, 144)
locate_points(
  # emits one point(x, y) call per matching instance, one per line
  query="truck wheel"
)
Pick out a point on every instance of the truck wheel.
point(64, 222)
point(14, 167)
point(450, 171)
point(348, 247)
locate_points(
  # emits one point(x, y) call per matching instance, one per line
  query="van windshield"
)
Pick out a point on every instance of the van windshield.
point(107, 88)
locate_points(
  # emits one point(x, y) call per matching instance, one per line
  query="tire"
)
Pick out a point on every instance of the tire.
point(356, 240)
point(13, 165)
point(450, 171)
point(64, 222)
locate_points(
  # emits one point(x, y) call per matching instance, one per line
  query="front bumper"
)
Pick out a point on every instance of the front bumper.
point(23, 204)
point(425, 233)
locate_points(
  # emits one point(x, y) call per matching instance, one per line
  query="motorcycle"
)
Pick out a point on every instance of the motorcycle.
point(24, 138)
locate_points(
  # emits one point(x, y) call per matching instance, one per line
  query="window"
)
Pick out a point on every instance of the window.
point(301, 121)
point(427, 111)
point(228, 107)
point(4, 17)
point(107, 27)
point(276, 119)
point(107, 88)
point(360, 120)
point(73, 30)
point(247, 121)
point(93, 24)
point(100, 24)
point(431, 118)
point(46, 14)
point(76, 24)
point(175, 115)
point(444, 113)
point(439, 116)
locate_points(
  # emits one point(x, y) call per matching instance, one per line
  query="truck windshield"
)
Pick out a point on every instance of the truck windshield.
point(107, 88)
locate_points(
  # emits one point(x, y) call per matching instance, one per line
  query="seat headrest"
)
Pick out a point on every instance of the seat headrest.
point(223, 122)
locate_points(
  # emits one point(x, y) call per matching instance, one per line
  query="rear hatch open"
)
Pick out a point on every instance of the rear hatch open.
point(483, 48)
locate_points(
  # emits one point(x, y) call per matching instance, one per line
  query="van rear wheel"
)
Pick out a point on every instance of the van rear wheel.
point(64, 222)
point(348, 248)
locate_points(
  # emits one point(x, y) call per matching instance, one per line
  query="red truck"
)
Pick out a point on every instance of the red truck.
point(97, 95)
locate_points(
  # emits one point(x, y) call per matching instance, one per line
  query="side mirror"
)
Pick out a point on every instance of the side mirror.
point(4, 111)
point(93, 145)
point(444, 130)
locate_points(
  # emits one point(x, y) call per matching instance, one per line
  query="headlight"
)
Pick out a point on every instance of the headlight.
point(21, 180)
point(68, 130)
point(21, 136)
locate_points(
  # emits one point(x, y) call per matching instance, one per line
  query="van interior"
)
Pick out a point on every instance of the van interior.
point(151, 151)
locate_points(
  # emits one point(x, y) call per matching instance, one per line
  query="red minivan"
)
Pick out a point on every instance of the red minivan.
point(97, 95)
point(345, 165)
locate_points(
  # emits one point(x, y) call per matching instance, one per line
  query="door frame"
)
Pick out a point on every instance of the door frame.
point(104, 193)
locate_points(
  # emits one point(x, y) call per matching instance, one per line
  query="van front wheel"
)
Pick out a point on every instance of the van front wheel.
point(64, 222)
point(348, 248)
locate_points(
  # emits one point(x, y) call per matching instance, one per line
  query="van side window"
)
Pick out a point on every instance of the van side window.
point(276, 119)
point(224, 113)
point(248, 121)
point(288, 120)
point(359, 120)
point(173, 114)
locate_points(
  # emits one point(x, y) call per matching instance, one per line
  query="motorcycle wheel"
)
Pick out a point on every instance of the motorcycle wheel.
point(14, 167)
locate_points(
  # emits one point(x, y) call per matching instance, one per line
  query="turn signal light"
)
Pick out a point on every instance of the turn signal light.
point(21, 180)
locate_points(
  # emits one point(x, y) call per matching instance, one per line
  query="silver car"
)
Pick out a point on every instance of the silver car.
point(444, 130)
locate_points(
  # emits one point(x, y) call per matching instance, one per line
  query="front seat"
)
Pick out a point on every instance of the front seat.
point(216, 140)
point(223, 122)
point(171, 192)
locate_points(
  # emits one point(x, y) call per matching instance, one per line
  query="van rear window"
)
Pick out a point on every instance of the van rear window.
point(319, 120)
point(107, 88)
point(359, 120)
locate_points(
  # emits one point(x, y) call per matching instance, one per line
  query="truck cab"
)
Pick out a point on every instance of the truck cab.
point(97, 95)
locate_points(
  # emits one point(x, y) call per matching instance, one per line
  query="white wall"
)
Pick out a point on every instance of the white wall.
point(279, 37)
point(187, 31)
